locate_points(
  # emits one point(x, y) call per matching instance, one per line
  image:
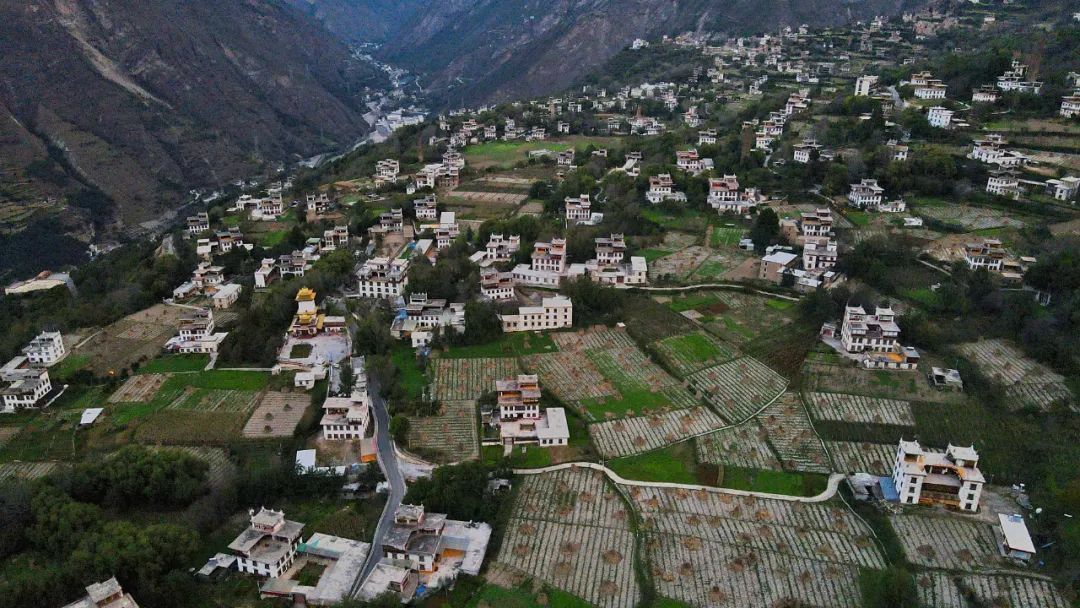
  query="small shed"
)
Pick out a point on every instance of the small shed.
point(1015, 539)
point(89, 416)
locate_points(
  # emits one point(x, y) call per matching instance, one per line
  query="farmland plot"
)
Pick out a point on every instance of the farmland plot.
point(139, 389)
point(222, 467)
point(452, 433)
point(970, 218)
point(277, 415)
point(830, 377)
point(469, 379)
point(680, 264)
point(738, 389)
point(630, 370)
point(570, 375)
point(939, 589)
point(710, 548)
point(792, 437)
point(742, 446)
point(136, 337)
point(592, 339)
point(631, 436)
point(861, 457)
point(946, 542)
point(689, 353)
point(25, 470)
point(571, 530)
point(1027, 382)
point(858, 408)
point(212, 400)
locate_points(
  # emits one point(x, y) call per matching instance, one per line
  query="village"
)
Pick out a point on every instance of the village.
point(783, 320)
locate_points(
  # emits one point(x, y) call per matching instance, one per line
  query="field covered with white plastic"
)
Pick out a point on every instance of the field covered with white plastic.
point(739, 388)
point(630, 436)
point(721, 549)
point(861, 457)
point(947, 542)
point(571, 530)
point(858, 408)
point(942, 590)
point(468, 379)
point(1027, 382)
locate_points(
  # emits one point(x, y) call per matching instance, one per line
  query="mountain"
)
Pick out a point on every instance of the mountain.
point(483, 50)
point(122, 106)
point(363, 20)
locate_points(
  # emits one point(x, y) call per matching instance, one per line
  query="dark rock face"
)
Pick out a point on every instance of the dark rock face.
point(145, 99)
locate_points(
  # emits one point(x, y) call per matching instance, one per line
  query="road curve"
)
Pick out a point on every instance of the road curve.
point(830, 490)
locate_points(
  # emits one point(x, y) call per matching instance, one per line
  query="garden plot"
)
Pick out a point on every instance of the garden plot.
point(277, 415)
point(630, 370)
point(571, 530)
point(570, 375)
point(842, 377)
point(710, 548)
point(1027, 382)
point(688, 353)
point(139, 389)
point(969, 218)
point(592, 339)
point(738, 389)
point(742, 446)
point(941, 590)
point(717, 265)
point(858, 408)
point(133, 339)
point(861, 457)
point(735, 317)
point(214, 400)
point(25, 470)
point(792, 437)
point(631, 436)
point(469, 379)
point(452, 433)
point(947, 542)
point(680, 264)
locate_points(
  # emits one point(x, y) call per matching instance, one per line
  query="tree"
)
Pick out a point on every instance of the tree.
point(765, 229)
point(399, 428)
point(892, 587)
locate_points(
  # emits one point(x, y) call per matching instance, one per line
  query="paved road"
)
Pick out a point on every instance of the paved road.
point(388, 462)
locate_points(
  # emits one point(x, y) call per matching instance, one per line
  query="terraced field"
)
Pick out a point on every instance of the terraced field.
point(688, 353)
point(943, 590)
point(631, 436)
point(792, 437)
point(469, 379)
point(25, 470)
point(453, 434)
point(571, 530)
point(738, 389)
point(570, 375)
point(861, 457)
point(719, 549)
point(858, 408)
point(742, 446)
point(947, 542)
point(1027, 382)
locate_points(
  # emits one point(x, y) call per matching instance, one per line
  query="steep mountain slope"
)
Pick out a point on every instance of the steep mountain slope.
point(499, 49)
point(144, 99)
point(362, 20)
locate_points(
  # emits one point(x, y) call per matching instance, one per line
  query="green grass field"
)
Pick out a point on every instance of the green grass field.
point(491, 595)
point(859, 218)
point(633, 403)
point(689, 220)
point(692, 301)
point(69, 365)
point(674, 464)
point(273, 238)
point(695, 346)
point(776, 304)
point(510, 345)
point(774, 482)
point(412, 379)
point(175, 364)
point(506, 154)
point(724, 236)
point(653, 254)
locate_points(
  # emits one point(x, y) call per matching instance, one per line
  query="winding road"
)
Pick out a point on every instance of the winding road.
point(388, 462)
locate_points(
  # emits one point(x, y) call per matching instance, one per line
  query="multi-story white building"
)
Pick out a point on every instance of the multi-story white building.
point(198, 223)
point(951, 478)
point(447, 230)
point(426, 208)
point(28, 385)
point(939, 117)
point(707, 137)
point(1063, 189)
point(609, 266)
point(1003, 183)
point(500, 248)
point(346, 418)
point(421, 316)
point(335, 238)
point(267, 273)
point(898, 152)
point(383, 278)
point(107, 594)
point(864, 85)
point(45, 349)
point(662, 188)
point(267, 547)
point(863, 332)
point(984, 94)
point(387, 171)
point(1070, 105)
point(803, 152)
point(691, 162)
point(866, 194)
point(553, 313)
point(723, 190)
point(518, 397)
point(495, 285)
point(390, 222)
point(578, 209)
point(817, 224)
point(819, 255)
point(988, 254)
